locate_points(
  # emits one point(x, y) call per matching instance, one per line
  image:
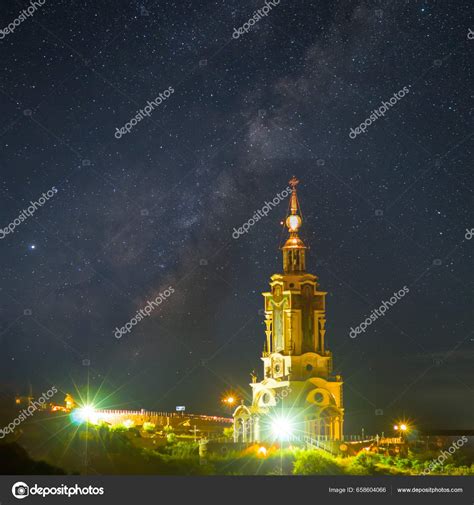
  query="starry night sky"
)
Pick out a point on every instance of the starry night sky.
point(157, 207)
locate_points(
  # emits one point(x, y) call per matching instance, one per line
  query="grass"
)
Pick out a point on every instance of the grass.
point(99, 449)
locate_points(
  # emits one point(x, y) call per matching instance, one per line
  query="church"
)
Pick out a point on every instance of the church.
point(298, 397)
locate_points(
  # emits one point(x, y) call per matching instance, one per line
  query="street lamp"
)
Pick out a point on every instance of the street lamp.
point(262, 452)
point(85, 414)
point(282, 428)
point(402, 428)
point(229, 399)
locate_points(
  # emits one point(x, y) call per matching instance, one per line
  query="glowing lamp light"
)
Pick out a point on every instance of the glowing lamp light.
point(293, 222)
point(262, 451)
point(86, 414)
point(128, 423)
point(282, 428)
point(229, 399)
point(402, 427)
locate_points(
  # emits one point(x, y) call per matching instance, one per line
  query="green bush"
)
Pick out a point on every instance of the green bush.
point(228, 432)
point(458, 470)
point(367, 463)
point(315, 462)
point(181, 450)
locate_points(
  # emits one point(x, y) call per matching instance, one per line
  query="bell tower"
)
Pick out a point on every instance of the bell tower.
point(295, 308)
point(295, 356)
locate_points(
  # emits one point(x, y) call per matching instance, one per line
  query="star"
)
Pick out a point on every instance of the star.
point(279, 101)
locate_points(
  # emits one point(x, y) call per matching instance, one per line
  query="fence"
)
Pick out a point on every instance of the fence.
point(139, 417)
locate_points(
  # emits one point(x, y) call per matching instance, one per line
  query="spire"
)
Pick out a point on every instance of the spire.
point(294, 249)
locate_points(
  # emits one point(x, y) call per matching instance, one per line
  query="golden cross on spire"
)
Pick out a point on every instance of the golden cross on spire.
point(294, 182)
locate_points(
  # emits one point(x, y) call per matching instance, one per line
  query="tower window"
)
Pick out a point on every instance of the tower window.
point(309, 367)
point(318, 397)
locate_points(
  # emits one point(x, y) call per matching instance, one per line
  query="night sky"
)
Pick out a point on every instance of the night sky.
point(157, 207)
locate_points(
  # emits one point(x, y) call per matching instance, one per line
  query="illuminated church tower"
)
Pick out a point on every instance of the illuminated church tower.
point(298, 392)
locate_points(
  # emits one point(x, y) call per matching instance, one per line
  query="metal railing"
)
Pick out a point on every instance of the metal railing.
point(321, 442)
